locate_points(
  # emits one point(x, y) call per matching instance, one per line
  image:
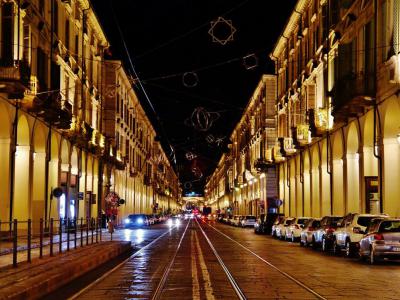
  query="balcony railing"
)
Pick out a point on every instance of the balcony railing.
point(14, 80)
point(353, 93)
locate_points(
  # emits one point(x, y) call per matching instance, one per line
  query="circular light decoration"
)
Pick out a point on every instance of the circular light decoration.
point(201, 119)
point(190, 79)
point(222, 31)
point(210, 139)
point(250, 61)
point(187, 185)
point(190, 156)
point(197, 172)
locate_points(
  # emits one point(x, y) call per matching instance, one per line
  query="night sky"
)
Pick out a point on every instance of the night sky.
point(197, 86)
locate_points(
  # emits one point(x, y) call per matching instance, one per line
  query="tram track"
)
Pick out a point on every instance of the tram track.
point(106, 275)
point(253, 254)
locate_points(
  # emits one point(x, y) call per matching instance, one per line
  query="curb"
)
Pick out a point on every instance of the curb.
point(67, 268)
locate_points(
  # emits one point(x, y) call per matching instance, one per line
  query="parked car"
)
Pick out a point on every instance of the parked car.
point(280, 230)
point(247, 221)
point(275, 225)
point(382, 240)
point(293, 231)
point(323, 237)
point(230, 220)
point(308, 231)
point(236, 220)
point(151, 219)
point(136, 220)
point(220, 217)
point(264, 222)
point(351, 231)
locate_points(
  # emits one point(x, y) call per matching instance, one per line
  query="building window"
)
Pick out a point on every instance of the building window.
point(41, 7)
point(7, 21)
point(27, 44)
point(67, 37)
point(55, 16)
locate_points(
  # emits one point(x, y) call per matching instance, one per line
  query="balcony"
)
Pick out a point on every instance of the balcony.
point(302, 135)
point(352, 95)
point(14, 80)
point(286, 146)
point(261, 165)
point(319, 121)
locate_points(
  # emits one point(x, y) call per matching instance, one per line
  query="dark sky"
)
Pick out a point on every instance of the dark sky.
point(198, 87)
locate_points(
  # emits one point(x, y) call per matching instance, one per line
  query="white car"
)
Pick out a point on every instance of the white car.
point(306, 235)
point(278, 221)
point(351, 231)
point(247, 221)
point(236, 220)
point(280, 230)
point(294, 230)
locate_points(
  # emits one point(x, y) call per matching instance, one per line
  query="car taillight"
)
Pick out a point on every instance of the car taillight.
point(297, 226)
point(378, 237)
point(311, 228)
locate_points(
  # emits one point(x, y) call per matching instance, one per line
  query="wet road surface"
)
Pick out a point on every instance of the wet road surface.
point(200, 260)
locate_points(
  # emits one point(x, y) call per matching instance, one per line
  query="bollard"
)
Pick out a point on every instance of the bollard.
point(60, 237)
point(76, 229)
point(51, 236)
point(97, 230)
point(15, 240)
point(101, 224)
point(41, 239)
point(91, 227)
point(81, 232)
point(87, 231)
point(29, 239)
point(68, 225)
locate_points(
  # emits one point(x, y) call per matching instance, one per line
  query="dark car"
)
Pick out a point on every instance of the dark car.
point(323, 237)
point(136, 220)
point(264, 222)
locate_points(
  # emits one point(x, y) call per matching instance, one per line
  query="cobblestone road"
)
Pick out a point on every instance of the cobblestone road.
point(263, 268)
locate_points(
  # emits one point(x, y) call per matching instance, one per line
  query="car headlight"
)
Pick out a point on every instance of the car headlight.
point(127, 221)
point(140, 221)
point(177, 222)
point(169, 222)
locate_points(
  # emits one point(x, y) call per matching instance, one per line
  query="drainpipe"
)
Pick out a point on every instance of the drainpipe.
point(12, 160)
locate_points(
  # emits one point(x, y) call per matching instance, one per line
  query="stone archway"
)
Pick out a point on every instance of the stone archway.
point(353, 169)
point(391, 156)
point(315, 179)
point(21, 202)
point(5, 139)
point(339, 202)
point(325, 179)
point(38, 180)
point(371, 166)
point(307, 184)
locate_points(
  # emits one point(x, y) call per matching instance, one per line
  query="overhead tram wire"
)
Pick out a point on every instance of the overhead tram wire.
point(140, 84)
point(189, 32)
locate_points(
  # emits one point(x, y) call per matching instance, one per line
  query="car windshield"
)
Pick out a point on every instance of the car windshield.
point(250, 217)
point(302, 221)
point(389, 226)
point(333, 221)
point(364, 221)
point(135, 217)
point(316, 223)
point(289, 221)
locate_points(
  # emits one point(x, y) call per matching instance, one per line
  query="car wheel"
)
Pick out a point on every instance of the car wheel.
point(324, 245)
point(348, 249)
point(335, 248)
point(301, 242)
point(314, 243)
point(372, 257)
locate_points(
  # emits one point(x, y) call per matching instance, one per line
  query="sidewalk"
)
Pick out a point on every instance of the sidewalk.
point(6, 248)
point(42, 276)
